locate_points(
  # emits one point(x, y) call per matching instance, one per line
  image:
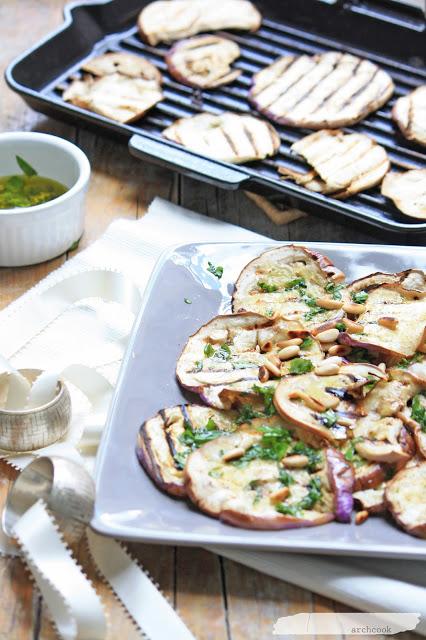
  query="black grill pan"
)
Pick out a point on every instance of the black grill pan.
point(390, 34)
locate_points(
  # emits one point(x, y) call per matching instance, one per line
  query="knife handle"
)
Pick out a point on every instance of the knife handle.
point(185, 161)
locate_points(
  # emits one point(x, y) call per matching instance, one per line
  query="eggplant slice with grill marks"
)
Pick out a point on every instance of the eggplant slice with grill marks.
point(169, 21)
point(409, 112)
point(166, 440)
point(408, 191)
point(228, 137)
point(413, 412)
point(327, 90)
point(262, 478)
point(120, 86)
point(235, 357)
point(204, 61)
point(393, 323)
point(405, 499)
point(326, 405)
point(291, 282)
point(343, 164)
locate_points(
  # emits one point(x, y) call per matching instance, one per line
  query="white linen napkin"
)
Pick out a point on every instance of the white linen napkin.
point(132, 247)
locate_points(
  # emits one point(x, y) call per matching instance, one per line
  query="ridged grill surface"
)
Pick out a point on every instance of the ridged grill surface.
point(258, 50)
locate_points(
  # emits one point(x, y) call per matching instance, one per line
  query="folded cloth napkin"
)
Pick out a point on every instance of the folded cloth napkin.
point(132, 247)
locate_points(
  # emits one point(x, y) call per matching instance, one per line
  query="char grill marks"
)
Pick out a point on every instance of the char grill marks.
point(327, 90)
point(228, 137)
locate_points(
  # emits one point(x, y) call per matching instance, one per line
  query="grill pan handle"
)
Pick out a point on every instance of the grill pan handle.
point(187, 163)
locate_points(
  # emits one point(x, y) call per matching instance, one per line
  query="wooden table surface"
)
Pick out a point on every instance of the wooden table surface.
point(218, 599)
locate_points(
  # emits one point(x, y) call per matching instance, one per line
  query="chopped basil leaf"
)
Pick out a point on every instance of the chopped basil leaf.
point(273, 446)
point(269, 313)
point(216, 271)
point(247, 414)
point(307, 502)
point(223, 353)
point(208, 350)
point(300, 365)
point(288, 509)
point(334, 290)
point(418, 411)
point(267, 288)
point(267, 394)
point(340, 326)
point(307, 343)
point(351, 454)
point(195, 439)
point(328, 418)
point(286, 478)
point(370, 385)
point(358, 354)
point(187, 301)
point(405, 362)
point(180, 459)
point(215, 473)
point(297, 283)
point(359, 297)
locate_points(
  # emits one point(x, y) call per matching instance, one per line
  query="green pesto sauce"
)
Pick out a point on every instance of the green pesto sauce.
point(28, 190)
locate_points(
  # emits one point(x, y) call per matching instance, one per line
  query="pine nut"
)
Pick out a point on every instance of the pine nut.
point(289, 343)
point(219, 335)
point(382, 366)
point(327, 369)
point(338, 276)
point(280, 494)
point(353, 327)
point(339, 350)
point(272, 368)
point(233, 454)
point(310, 402)
point(326, 346)
point(297, 461)
point(272, 357)
point(263, 374)
point(334, 359)
point(354, 308)
point(344, 422)
point(388, 322)
point(288, 352)
point(329, 303)
point(330, 335)
point(361, 517)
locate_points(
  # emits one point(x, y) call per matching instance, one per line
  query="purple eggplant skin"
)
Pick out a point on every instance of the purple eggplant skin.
point(341, 478)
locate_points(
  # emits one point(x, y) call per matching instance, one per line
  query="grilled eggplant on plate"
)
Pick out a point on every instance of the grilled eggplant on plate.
point(233, 357)
point(327, 90)
point(167, 21)
point(266, 479)
point(409, 112)
point(228, 137)
point(120, 86)
point(204, 61)
point(342, 163)
point(166, 440)
point(408, 191)
point(314, 395)
point(292, 282)
point(326, 405)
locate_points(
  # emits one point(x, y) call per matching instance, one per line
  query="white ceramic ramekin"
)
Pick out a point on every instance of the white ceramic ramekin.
point(35, 234)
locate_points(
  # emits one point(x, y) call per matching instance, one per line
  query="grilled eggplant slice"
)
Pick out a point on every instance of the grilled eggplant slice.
point(371, 500)
point(232, 357)
point(405, 499)
point(115, 96)
point(409, 112)
point(258, 479)
point(408, 191)
point(393, 323)
point(126, 64)
point(412, 377)
point(343, 164)
point(411, 280)
point(204, 61)
point(169, 21)
point(325, 405)
point(328, 90)
point(291, 282)
point(166, 440)
point(228, 137)
point(369, 475)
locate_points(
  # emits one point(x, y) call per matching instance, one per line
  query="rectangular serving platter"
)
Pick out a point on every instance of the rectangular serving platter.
point(128, 505)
